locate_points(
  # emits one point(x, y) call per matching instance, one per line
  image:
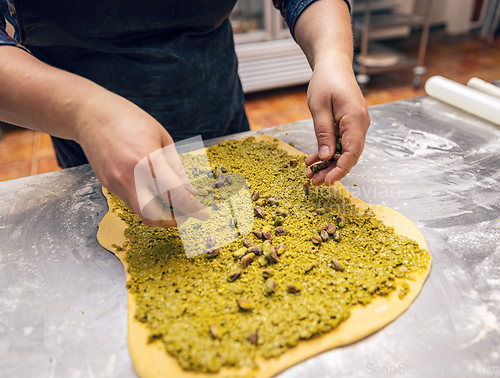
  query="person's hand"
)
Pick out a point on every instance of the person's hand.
point(116, 135)
point(334, 98)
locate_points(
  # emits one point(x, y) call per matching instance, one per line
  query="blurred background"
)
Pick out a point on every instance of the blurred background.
point(399, 44)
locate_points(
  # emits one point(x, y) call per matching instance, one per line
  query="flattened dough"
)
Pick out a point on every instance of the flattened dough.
point(152, 361)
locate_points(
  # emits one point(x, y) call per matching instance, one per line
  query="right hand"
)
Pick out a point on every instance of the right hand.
point(115, 135)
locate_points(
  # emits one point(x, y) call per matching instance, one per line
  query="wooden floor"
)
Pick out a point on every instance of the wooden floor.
point(25, 152)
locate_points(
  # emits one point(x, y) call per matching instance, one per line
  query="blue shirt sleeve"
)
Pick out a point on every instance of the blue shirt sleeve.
point(291, 10)
point(8, 14)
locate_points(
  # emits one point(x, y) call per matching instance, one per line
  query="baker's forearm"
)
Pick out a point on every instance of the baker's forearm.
point(323, 31)
point(40, 97)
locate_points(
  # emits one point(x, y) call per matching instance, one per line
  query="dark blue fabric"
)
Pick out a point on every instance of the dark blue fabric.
point(174, 59)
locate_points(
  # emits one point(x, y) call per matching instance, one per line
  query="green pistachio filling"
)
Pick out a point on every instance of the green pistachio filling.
point(310, 258)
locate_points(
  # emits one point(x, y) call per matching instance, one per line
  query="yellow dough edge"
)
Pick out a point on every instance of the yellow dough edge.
point(152, 361)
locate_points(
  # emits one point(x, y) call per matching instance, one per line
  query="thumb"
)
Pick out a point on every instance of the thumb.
point(323, 119)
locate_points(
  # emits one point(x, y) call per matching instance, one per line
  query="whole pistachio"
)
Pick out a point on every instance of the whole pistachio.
point(246, 304)
point(307, 187)
point(266, 273)
point(247, 242)
point(315, 168)
point(260, 202)
point(330, 229)
point(210, 240)
point(267, 235)
point(272, 255)
point(214, 331)
point(337, 236)
point(212, 252)
point(281, 212)
point(337, 265)
point(233, 276)
point(259, 211)
point(263, 261)
point(208, 188)
point(321, 211)
point(293, 163)
point(255, 249)
point(216, 205)
point(309, 266)
point(195, 171)
point(272, 201)
point(254, 336)
point(281, 249)
point(246, 260)
point(281, 230)
point(255, 195)
point(278, 221)
point(257, 233)
point(322, 227)
point(229, 180)
point(324, 235)
point(239, 253)
point(340, 221)
point(233, 222)
point(220, 181)
point(294, 287)
point(223, 168)
point(336, 156)
point(316, 239)
point(267, 245)
point(270, 286)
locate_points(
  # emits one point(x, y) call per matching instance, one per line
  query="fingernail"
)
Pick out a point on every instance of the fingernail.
point(323, 152)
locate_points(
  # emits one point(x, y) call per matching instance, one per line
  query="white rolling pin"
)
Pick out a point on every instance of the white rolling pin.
point(483, 86)
point(465, 98)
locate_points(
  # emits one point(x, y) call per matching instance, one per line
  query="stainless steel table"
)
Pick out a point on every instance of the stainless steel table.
point(62, 297)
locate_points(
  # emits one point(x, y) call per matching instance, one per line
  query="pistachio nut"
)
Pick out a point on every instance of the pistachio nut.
point(195, 171)
point(263, 261)
point(340, 221)
point(281, 249)
point(267, 228)
point(267, 235)
point(229, 180)
point(214, 331)
point(337, 265)
point(281, 213)
point(255, 249)
point(324, 235)
point(247, 242)
point(270, 286)
point(266, 273)
point(257, 233)
point(293, 163)
point(337, 236)
point(223, 168)
point(294, 287)
point(203, 192)
point(280, 230)
point(239, 253)
point(254, 336)
point(315, 168)
point(233, 276)
point(255, 195)
point(259, 211)
point(272, 255)
point(307, 187)
point(247, 259)
point(278, 221)
point(309, 266)
point(316, 239)
point(212, 252)
point(321, 211)
point(330, 229)
point(322, 227)
point(246, 304)
point(260, 202)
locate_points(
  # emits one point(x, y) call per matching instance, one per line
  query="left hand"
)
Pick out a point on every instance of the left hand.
point(334, 97)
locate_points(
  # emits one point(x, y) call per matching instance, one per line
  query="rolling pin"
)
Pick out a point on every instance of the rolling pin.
point(483, 86)
point(460, 96)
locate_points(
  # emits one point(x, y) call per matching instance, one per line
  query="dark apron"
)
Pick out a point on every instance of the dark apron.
point(173, 58)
